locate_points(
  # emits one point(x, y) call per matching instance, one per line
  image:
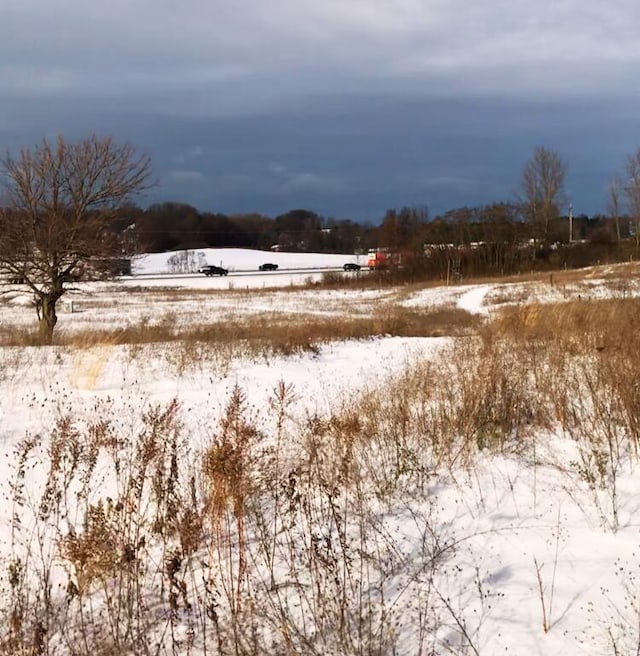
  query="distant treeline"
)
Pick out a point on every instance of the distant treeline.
point(491, 239)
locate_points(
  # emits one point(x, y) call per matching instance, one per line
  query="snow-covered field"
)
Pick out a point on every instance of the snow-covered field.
point(530, 564)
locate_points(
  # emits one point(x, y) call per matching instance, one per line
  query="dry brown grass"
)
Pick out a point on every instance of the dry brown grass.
point(628, 271)
point(585, 325)
point(19, 336)
point(570, 366)
point(279, 333)
point(246, 531)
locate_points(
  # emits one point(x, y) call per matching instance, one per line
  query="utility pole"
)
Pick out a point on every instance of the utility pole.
point(570, 222)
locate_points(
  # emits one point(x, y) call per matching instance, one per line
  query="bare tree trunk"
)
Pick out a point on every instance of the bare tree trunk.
point(542, 192)
point(47, 316)
point(615, 189)
point(58, 219)
point(632, 190)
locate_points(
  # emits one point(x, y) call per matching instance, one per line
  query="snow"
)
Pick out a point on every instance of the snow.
point(241, 260)
point(525, 531)
point(472, 301)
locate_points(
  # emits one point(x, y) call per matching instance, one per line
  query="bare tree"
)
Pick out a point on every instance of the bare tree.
point(615, 202)
point(632, 191)
point(58, 221)
point(542, 187)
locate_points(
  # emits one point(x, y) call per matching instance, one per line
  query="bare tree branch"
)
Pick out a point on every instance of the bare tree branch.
point(61, 201)
point(632, 190)
point(542, 188)
point(615, 189)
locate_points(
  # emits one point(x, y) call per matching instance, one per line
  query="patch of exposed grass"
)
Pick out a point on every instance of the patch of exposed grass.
point(284, 333)
point(584, 325)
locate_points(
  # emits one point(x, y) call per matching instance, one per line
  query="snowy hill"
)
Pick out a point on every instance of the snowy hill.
point(236, 259)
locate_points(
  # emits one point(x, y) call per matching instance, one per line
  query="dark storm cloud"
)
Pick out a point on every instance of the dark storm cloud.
point(347, 108)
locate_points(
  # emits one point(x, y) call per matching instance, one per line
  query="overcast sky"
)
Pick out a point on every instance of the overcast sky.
point(344, 107)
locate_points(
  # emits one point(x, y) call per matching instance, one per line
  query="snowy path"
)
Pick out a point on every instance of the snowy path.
point(472, 301)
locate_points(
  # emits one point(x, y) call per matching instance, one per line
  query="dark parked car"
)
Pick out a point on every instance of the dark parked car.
point(351, 266)
point(268, 266)
point(211, 270)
